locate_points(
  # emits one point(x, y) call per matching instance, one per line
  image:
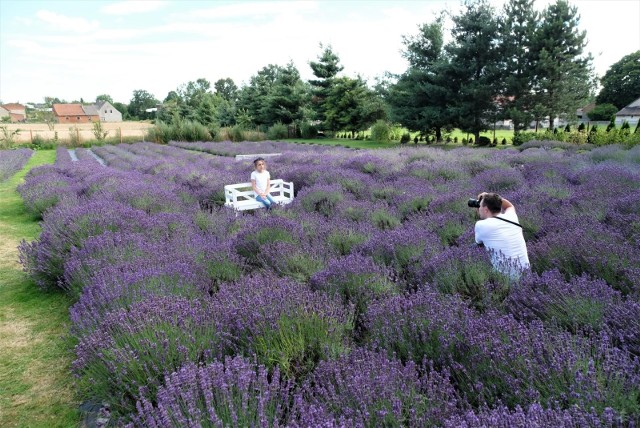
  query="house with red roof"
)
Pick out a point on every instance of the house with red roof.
point(17, 112)
point(75, 113)
point(102, 111)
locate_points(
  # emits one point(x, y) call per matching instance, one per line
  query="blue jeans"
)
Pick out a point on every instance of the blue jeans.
point(266, 202)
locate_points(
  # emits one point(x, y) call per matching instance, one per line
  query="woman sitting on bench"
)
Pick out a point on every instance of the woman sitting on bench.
point(261, 183)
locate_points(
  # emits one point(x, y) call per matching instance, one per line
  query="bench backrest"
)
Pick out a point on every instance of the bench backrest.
point(243, 191)
point(258, 155)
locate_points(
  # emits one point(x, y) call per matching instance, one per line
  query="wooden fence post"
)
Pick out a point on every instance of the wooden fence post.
point(31, 135)
point(77, 135)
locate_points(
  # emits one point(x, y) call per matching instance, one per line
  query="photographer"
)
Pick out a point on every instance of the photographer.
point(498, 229)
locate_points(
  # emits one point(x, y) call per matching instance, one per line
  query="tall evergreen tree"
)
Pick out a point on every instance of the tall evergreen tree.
point(518, 61)
point(325, 70)
point(421, 96)
point(473, 69)
point(351, 105)
point(564, 79)
point(286, 98)
point(273, 95)
point(621, 83)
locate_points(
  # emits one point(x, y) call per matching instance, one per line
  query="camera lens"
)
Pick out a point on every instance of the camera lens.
point(473, 203)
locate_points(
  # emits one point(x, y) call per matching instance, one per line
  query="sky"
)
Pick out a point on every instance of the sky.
point(79, 49)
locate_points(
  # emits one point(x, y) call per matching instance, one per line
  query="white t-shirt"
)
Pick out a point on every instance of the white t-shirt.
point(261, 178)
point(505, 240)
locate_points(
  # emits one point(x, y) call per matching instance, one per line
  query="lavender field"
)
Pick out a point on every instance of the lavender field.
point(362, 303)
point(12, 161)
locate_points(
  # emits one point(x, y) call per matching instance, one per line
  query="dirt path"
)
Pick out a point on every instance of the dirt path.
point(36, 386)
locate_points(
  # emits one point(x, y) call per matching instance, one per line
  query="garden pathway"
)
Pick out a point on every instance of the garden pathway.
point(36, 386)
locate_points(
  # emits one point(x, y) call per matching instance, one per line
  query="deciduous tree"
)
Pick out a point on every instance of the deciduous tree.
point(621, 83)
point(141, 101)
point(104, 97)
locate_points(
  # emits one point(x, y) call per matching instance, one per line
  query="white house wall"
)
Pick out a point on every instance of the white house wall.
point(108, 113)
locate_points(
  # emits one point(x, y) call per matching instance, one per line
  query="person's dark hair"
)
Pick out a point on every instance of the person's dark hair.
point(255, 162)
point(493, 202)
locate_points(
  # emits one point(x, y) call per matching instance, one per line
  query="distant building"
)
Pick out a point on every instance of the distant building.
point(17, 112)
point(74, 113)
point(583, 112)
point(102, 111)
point(630, 113)
point(107, 112)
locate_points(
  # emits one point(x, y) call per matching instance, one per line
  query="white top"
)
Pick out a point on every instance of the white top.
point(261, 178)
point(506, 241)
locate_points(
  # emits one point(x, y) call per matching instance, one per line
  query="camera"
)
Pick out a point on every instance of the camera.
point(473, 203)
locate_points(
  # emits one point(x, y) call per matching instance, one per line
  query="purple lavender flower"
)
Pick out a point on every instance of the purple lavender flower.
point(368, 389)
point(236, 392)
point(136, 347)
point(12, 161)
point(535, 416)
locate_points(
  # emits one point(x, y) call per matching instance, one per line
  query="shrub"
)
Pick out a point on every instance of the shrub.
point(322, 199)
point(236, 392)
point(278, 131)
point(603, 112)
point(484, 141)
point(282, 322)
point(466, 272)
point(124, 353)
point(8, 138)
point(237, 134)
point(495, 359)
point(308, 131)
point(406, 137)
point(98, 131)
point(381, 131)
point(552, 417)
point(356, 280)
point(384, 220)
point(368, 389)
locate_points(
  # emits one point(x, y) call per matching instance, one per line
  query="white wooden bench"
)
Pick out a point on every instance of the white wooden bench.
point(240, 196)
point(255, 156)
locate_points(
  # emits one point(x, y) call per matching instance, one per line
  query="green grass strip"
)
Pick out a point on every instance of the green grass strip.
point(36, 386)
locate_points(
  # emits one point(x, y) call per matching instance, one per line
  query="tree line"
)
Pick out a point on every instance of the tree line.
point(515, 63)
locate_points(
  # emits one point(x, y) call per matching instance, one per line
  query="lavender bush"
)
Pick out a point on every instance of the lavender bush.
point(12, 161)
point(136, 347)
point(536, 416)
point(283, 322)
point(233, 393)
point(495, 359)
point(370, 390)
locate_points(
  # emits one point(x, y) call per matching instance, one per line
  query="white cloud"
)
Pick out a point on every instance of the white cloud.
point(246, 10)
point(131, 7)
point(67, 23)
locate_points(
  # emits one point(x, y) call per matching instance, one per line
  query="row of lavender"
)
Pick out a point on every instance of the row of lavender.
point(361, 303)
point(12, 161)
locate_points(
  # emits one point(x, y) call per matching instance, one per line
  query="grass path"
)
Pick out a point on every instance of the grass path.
point(36, 387)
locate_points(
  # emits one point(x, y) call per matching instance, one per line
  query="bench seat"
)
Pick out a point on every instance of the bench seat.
point(240, 196)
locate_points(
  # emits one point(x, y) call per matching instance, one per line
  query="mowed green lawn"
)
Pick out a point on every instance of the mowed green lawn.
point(36, 386)
point(367, 144)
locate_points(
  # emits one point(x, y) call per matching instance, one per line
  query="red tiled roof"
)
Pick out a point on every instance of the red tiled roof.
point(13, 106)
point(68, 110)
